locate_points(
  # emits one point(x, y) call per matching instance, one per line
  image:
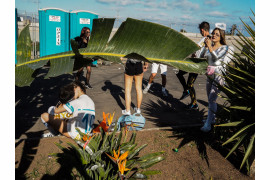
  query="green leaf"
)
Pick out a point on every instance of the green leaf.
point(236, 145)
point(151, 172)
point(243, 108)
point(151, 162)
point(139, 176)
point(151, 155)
point(130, 156)
point(230, 124)
point(137, 39)
point(238, 133)
point(249, 150)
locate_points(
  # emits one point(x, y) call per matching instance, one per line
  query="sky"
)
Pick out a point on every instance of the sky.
point(177, 14)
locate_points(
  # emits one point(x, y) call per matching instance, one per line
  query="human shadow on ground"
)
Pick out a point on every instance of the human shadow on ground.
point(28, 153)
point(156, 90)
point(116, 92)
point(31, 102)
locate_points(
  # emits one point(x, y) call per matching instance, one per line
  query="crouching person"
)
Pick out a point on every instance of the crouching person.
point(75, 110)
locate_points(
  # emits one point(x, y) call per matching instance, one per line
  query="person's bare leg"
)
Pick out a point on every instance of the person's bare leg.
point(138, 87)
point(88, 74)
point(57, 124)
point(151, 78)
point(78, 74)
point(128, 87)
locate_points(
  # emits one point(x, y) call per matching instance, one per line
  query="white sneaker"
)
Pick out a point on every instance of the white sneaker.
point(125, 112)
point(137, 110)
point(213, 122)
point(49, 134)
point(145, 91)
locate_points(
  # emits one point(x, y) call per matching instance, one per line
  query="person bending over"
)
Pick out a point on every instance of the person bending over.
point(78, 105)
point(133, 70)
point(163, 73)
point(189, 85)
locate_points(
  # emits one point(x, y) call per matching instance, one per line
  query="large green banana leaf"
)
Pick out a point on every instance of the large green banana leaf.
point(134, 39)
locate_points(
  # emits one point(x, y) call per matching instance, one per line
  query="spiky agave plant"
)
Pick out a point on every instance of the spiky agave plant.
point(237, 115)
point(108, 156)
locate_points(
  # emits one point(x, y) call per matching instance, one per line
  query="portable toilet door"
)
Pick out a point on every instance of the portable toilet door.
point(80, 19)
point(53, 31)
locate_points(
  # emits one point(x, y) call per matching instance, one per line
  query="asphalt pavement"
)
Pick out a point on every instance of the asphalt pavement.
point(108, 96)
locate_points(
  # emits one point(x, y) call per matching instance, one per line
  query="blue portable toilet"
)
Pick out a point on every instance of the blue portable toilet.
point(80, 19)
point(16, 34)
point(53, 31)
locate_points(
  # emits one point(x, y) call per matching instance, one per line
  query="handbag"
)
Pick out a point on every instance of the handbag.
point(210, 70)
point(135, 122)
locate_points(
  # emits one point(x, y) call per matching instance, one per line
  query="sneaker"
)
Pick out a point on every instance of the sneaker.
point(205, 128)
point(213, 122)
point(125, 112)
point(164, 93)
point(145, 91)
point(185, 95)
point(49, 134)
point(192, 106)
point(137, 110)
point(88, 86)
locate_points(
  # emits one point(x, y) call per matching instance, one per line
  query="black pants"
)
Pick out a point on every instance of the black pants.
point(189, 85)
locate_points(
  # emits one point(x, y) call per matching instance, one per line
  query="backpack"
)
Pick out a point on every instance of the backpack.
point(135, 122)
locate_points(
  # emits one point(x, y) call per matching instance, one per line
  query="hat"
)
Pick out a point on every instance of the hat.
point(221, 26)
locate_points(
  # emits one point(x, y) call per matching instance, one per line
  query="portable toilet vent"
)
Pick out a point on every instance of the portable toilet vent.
point(80, 19)
point(53, 31)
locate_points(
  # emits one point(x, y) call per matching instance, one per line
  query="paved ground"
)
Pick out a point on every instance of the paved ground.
point(108, 95)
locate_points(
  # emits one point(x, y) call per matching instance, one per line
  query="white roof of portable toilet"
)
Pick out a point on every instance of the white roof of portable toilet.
point(76, 11)
point(50, 8)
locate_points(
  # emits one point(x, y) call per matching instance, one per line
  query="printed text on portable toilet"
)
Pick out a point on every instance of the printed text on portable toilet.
point(54, 31)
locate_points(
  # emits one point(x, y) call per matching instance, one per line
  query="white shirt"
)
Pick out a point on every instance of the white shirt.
point(83, 111)
point(201, 45)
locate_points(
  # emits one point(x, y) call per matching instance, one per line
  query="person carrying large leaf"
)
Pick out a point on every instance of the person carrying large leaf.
point(189, 85)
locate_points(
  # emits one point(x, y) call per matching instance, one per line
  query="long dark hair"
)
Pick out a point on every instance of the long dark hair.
point(83, 31)
point(222, 36)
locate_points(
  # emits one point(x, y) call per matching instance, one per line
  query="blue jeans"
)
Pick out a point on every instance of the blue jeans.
point(212, 94)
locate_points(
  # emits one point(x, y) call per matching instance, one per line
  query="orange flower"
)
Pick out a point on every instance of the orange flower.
point(84, 138)
point(110, 119)
point(122, 167)
point(116, 157)
point(87, 140)
point(102, 124)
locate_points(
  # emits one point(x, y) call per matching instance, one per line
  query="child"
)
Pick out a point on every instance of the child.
point(80, 112)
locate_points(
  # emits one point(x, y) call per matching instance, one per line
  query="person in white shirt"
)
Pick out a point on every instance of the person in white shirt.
point(188, 85)
point(81, 109)
point(163, 73)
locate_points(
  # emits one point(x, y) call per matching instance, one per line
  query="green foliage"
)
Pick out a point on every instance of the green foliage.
point(238, 111)
point(94, 159)
point(137, 39)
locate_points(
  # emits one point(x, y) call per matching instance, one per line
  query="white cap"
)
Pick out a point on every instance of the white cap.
point(221, 26)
